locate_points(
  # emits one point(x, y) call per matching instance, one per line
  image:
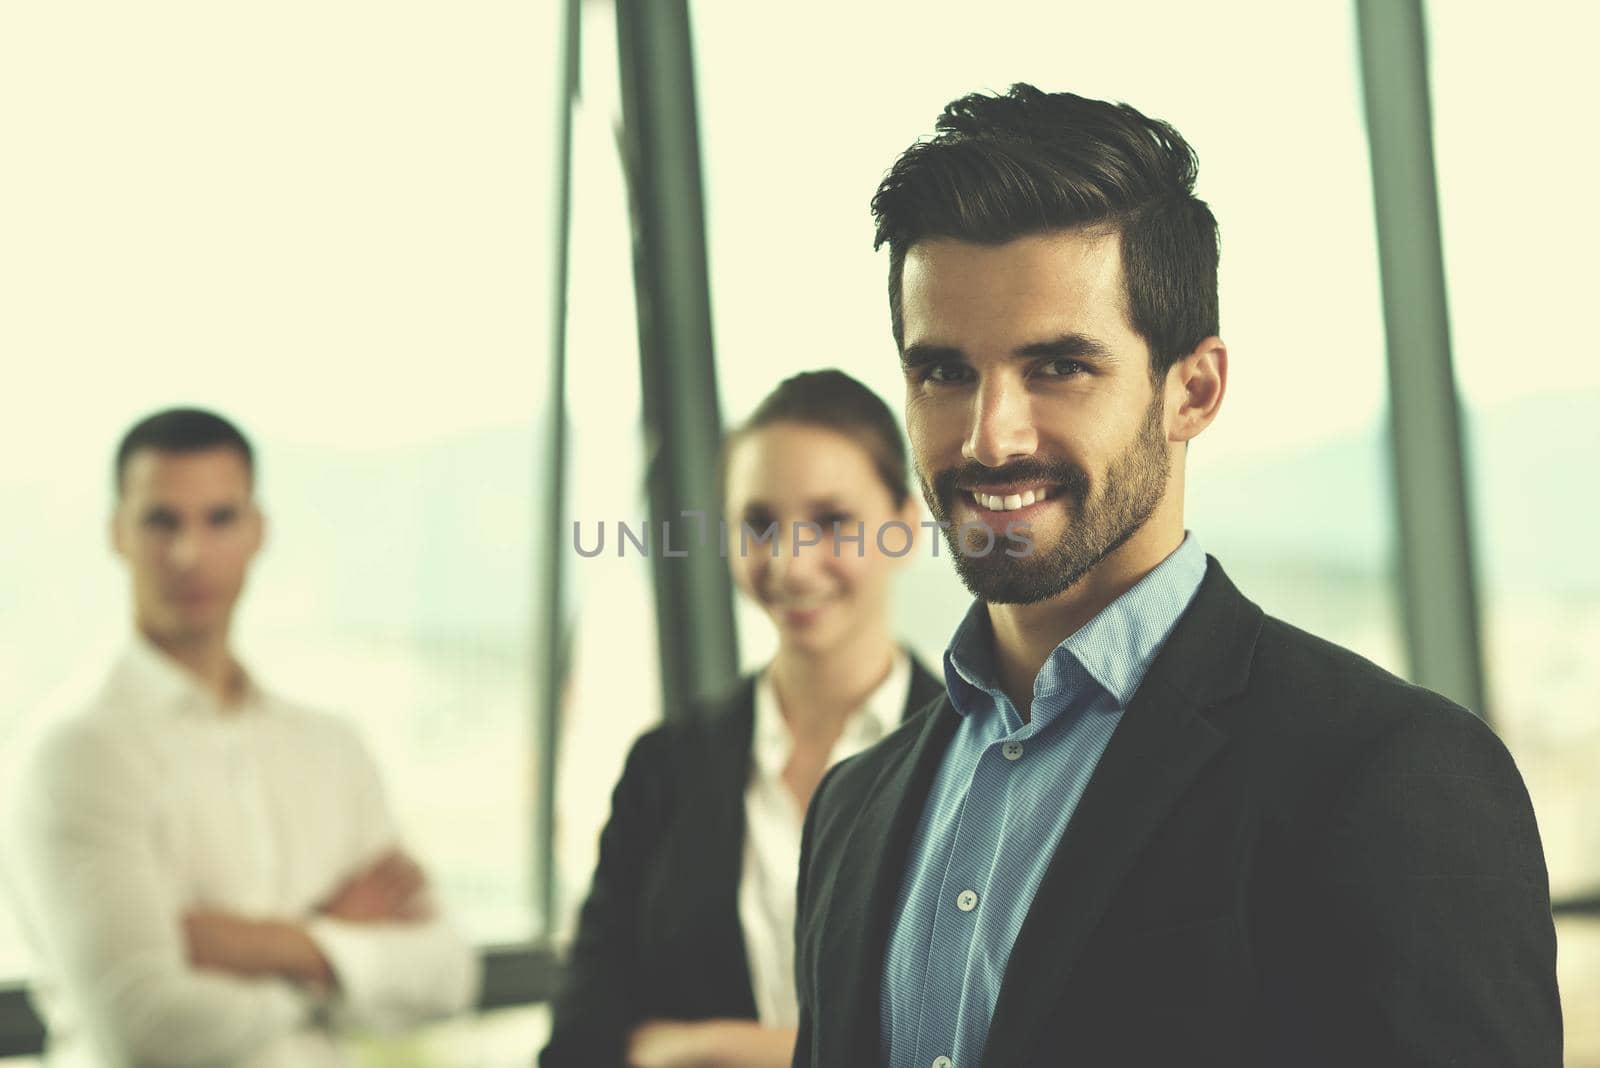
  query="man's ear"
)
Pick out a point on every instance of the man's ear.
point(258, 533)
point(114, 532)
point(1195, 386)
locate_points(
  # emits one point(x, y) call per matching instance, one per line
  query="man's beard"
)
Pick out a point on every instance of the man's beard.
point(1134, 485)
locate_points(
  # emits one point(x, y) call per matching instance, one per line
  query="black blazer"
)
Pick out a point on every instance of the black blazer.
point(659, 933)
point(1286, 857)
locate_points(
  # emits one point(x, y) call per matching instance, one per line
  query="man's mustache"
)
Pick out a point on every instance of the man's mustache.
point(1066, 476)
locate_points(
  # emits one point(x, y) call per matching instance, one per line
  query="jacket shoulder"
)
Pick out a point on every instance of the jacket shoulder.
point(686, 751)
point(1315, 714)
point(1331, 689)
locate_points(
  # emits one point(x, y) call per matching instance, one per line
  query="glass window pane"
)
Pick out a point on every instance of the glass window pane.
point(614, 689)
point(1520, 223)
point(332, 224)
point(792, 159)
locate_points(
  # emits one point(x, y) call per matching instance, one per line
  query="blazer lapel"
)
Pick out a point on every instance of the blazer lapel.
point(857, 916)
point(1161, 744)
point(723, 772)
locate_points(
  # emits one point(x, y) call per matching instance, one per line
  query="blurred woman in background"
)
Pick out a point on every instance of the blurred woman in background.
point(684, 951)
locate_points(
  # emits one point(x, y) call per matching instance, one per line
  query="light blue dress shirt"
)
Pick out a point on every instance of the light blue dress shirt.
point(1000, 802)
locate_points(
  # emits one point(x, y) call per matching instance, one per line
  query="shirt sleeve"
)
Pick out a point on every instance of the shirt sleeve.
point(391, 975)
point(90, 886)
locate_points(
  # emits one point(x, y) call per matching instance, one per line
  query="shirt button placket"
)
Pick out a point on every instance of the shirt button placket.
point(943, 1062)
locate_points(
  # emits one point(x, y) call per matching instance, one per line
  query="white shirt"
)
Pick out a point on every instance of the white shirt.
point(773, 823)
point(154, 800)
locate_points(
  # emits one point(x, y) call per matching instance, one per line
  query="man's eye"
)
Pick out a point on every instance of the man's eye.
point(944, 372)
point(160, 522)
point(1062, 368)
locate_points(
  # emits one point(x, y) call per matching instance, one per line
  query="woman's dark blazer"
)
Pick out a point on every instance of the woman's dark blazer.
point(659, 934)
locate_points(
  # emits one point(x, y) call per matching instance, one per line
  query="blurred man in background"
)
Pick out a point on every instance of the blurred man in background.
point(207, 873)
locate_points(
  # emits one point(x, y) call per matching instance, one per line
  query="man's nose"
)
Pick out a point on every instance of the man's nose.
point(1002, 424)
point(184, 550)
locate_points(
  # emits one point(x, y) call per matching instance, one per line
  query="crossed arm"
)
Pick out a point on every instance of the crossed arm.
point(391, 890)
point(150, 983)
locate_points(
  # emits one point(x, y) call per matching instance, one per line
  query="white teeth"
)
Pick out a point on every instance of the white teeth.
point(1011, 501)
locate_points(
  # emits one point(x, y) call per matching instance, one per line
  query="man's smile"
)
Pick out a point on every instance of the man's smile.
point(1009, 497)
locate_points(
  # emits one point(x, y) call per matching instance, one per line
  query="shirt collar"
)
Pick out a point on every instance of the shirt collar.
point(151, 680)
point(878, 715)
point(1114, 648)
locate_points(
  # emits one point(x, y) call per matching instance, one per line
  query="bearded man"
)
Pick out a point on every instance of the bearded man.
point(1147, 824)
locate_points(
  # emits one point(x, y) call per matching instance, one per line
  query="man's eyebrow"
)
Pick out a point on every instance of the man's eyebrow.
point(1076, 346)
point(1073, 346)
point(914, 356)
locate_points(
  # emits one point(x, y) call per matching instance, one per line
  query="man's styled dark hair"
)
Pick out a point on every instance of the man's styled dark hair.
point(1000, 167)
point(181, 430)
point(835, 401)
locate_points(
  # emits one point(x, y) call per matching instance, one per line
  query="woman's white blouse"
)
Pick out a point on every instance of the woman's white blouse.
point(773, 822)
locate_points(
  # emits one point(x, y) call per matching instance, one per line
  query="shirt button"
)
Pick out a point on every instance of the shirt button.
point(1012, 750)
point(943, 1062)
point(967, 900)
